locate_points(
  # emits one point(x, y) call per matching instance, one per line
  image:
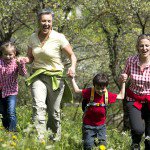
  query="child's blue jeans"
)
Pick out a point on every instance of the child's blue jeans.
point(8, 111)
point(90, 133)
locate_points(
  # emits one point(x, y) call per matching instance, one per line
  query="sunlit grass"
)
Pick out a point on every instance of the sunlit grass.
point(26, 138)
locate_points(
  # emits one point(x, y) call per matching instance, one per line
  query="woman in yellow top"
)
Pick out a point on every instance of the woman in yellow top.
point(44, 52)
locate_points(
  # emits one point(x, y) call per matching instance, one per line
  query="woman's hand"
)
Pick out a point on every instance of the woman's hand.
point(123, 77)
point(71, 72)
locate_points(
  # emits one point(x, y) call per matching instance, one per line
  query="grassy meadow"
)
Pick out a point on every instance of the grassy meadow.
point(26, 139)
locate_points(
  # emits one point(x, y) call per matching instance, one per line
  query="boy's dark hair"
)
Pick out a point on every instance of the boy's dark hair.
point(101, 79)
point(5, 45)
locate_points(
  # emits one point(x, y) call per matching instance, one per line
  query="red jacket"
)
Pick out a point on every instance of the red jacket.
point(138, 99)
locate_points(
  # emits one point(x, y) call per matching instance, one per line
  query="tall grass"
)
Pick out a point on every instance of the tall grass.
point(25, 138)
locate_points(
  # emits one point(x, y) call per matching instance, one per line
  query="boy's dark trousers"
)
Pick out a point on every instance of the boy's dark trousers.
point(92, 133)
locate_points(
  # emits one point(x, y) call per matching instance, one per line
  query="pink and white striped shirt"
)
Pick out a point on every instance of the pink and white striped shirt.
point(139, 79)
point(8, 76)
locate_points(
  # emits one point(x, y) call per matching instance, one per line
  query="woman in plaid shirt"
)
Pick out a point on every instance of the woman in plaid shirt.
point(9, 70)
point(138, 94)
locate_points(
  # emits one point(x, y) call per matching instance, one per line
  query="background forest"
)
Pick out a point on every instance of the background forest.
point(102, 33)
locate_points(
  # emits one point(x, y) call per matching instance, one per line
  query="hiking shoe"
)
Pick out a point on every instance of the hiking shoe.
point(55, 137)
point(135, 147)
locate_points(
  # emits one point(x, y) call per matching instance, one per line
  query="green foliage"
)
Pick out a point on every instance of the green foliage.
point(103, 34)
point(26, 138)
point(14, 15)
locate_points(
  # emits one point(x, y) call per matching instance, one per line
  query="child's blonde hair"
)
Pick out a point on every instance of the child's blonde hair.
point(7, 45)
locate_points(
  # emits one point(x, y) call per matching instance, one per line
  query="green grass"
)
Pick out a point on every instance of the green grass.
point(26, 139)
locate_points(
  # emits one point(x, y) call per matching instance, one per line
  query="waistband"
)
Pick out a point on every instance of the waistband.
point(139, 99)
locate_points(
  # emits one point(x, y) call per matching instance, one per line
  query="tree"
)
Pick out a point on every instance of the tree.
point(117, 28)
point(14, 15)
point(103, 36)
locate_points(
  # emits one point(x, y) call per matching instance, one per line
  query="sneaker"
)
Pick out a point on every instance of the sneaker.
point(135, 147)
point(41, 136)
point(55, 137)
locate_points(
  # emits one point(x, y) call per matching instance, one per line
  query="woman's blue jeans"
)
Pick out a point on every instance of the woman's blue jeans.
point(8, 111)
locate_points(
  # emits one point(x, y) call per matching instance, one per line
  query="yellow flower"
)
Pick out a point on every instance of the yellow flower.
point(1, 140)
point(14, 137)
point(102, 147)
point(13, 144)
point(43, 142)
point(1, 128)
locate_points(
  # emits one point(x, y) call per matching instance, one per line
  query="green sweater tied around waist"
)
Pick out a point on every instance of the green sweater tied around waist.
point(67, 95)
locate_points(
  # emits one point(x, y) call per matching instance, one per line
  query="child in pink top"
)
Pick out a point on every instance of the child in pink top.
point(9, 70)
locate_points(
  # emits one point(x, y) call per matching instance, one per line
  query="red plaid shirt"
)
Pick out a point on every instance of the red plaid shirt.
point(139, 79)
point(8, 76)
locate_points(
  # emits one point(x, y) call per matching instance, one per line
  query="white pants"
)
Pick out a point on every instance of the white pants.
point(44, 98)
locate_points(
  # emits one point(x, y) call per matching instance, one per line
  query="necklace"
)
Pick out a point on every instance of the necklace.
point(43, 39)
point(144, 64)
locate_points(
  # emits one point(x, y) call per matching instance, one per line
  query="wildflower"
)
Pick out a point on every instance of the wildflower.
point(49, 146)
point(14, 137)
point(102, 147)
point(43, 142)
point(1, 140)
point(123, 133)
point(1, 128)
point(4, 145)
point(13, 144)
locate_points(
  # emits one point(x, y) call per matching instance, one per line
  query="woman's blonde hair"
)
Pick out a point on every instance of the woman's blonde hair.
point(142, 36)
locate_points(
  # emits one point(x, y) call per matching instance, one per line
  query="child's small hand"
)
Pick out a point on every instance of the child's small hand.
point(123, 77)
point(20, 60)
